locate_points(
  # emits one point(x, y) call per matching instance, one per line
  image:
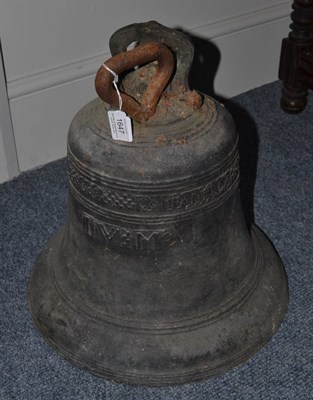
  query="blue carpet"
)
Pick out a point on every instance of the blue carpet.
point(276, 159)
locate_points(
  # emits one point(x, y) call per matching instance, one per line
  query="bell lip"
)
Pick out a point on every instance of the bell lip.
point(153, 378)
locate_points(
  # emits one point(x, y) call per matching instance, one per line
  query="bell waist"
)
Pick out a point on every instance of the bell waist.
point(174, 198)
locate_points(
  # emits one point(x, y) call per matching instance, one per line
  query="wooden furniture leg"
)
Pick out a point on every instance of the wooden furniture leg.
point(296, 59)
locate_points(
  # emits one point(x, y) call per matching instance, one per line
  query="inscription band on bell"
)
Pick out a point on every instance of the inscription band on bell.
point(210, 192)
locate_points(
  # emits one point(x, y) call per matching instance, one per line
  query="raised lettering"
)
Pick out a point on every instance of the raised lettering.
point(117, 236)
point(178, 201)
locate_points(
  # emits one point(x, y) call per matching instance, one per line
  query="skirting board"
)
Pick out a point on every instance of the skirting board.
point(8, 157)
point(213, 31)
point(43, 104)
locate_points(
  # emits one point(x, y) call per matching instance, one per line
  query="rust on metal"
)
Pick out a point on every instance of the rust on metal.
point(192, 99)
point(122, 62)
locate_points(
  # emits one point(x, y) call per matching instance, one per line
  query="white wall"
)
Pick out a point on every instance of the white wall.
point(8, 158)
point(52, 49)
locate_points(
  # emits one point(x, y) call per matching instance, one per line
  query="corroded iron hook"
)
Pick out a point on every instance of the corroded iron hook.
point(121, 62)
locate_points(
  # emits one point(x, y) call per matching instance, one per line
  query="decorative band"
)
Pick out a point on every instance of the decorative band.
point(210, 190)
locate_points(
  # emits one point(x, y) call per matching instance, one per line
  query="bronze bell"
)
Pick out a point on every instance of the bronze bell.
point(156, 279)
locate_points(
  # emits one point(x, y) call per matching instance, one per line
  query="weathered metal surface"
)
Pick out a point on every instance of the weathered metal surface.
point(156, 279)
point(122, 62)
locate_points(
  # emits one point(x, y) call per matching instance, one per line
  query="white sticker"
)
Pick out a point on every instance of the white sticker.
point(121, 126)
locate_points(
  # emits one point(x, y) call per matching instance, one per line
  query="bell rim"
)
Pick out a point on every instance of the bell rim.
point(155, 379)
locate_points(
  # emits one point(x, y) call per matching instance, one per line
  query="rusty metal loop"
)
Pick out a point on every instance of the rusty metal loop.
point(152, 31)
point(141, 54)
